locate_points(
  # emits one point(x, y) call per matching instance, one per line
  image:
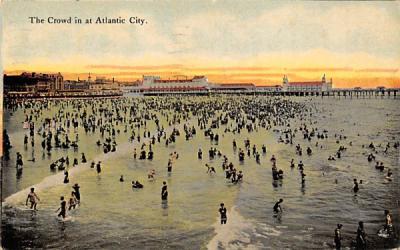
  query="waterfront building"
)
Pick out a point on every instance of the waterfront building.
point(313, 86)
point(103, 85)
point(181, 84)
point(33, 82)
point(72, 85)
point(131, 87)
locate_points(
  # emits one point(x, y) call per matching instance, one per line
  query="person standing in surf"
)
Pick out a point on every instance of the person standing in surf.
point(222, 212)
point(277, 206)
point(388, 223)
point(20, 162)
point(361, 242)
point(83, 160)
point(355, 186)
point(338, 237)
point(66, 179)
point(33, 198)
point(98, 167)
point(169, 166)
point(77, 193)
point(63, 208)
point(164, 191)
point(72, 201)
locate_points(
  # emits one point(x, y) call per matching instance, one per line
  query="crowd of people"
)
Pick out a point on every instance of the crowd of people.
point(104, 120)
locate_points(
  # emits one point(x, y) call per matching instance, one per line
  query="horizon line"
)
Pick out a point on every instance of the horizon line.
point(258, 79)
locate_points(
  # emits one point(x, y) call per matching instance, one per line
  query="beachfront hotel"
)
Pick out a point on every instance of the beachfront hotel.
point(33, 82)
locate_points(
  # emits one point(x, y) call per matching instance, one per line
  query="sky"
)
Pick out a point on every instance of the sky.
point(354, 43)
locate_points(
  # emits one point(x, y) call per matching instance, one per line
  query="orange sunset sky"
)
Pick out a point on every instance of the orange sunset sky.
point(355, 43)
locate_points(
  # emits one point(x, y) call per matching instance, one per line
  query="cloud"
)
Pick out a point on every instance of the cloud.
point(138, 67)
point(293, 28)
point(216, 34)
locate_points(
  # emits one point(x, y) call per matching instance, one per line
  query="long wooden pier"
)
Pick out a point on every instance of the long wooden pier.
point(344, 93)
point(336, 93)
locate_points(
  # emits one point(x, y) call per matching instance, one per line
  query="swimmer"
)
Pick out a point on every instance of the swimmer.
point(72, 201)
point(66, 179)
point(361, 242)
point(264, 149)
point(169, 166)
point(338, 237)
point(292, 163)
point(355, 186)
point(300, 165)
point(164, 191)
point(388, 222)
point(137, 184)
point(83, 160)
point(273, 159)
point(63, 206)
point(277, 207)
point(222, 212)
point(25, 141)
point(210, 169)
point(239, 177)
point(77, 192)
point(98, 167)
point(33, 198)
point(20, 162)
point(151, 174)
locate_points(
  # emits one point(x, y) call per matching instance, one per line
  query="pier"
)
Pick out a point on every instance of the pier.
point(334, 93)
point(338, 93)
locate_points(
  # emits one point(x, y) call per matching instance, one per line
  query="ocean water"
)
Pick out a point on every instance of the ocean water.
point(113, 215)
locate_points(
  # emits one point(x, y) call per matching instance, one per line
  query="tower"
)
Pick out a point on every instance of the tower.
point(285, 79)
point(323, 79)
point(285, 83)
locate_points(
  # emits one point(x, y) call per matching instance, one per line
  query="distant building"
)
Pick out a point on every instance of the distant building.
point(34, 82)
point(102, 84)
point(131, 87)
point(316, 86)
point(156, 84)
point(71, 85)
